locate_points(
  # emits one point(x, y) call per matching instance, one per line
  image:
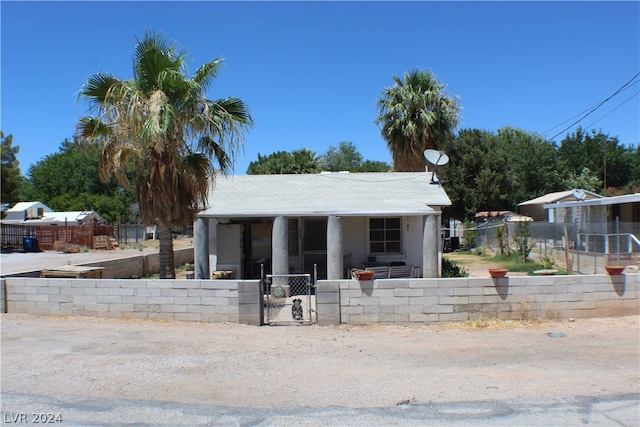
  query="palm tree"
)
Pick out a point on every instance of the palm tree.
point(159, 134)
point(415, 114)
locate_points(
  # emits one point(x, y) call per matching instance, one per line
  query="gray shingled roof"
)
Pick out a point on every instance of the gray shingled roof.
point(344, 194)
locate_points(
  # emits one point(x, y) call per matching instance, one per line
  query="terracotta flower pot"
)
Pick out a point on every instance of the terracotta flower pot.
point(498, 273)
point(364, 275)
point(614, 270)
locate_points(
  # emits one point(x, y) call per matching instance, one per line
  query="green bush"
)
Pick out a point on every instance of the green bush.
point(452, 269)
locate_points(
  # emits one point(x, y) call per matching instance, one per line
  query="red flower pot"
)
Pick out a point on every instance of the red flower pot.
point(498, 273)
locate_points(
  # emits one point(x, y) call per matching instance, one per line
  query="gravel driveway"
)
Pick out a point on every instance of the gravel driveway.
point(50, 363)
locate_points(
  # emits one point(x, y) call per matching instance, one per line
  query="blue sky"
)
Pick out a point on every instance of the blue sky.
point(311, 72)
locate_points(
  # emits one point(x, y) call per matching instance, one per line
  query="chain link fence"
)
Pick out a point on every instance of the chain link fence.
point(586, 244)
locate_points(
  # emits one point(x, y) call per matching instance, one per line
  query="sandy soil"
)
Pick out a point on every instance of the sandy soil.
point(227, 364)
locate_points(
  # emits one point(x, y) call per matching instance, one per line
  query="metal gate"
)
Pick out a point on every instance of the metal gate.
point(289, 299)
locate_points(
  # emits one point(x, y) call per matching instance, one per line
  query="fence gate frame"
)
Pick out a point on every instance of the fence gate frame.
point(289, 299)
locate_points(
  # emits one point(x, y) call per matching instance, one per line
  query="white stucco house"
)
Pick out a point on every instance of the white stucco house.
point(289, 223)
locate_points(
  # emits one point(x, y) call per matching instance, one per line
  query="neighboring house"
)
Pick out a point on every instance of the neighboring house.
point(37, 213)
point(289, 223)
point(26, 211)
point(536, 209)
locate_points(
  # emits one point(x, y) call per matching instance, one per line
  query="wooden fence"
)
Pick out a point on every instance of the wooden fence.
point(47, 235)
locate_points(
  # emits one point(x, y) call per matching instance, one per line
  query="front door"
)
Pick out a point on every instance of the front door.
point(314, 246)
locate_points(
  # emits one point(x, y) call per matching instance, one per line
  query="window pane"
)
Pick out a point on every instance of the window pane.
point(393, 246)
point(392, 235)
point(376, 223)
point(377, 247)
point(376, 236)
point(393, 223)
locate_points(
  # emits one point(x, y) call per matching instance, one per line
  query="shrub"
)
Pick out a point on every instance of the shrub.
point(67, 248)
point(452, 269)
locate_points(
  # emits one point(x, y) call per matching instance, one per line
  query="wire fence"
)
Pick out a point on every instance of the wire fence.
point(585, 245)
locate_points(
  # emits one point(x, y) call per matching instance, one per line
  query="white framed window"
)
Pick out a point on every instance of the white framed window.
point(385, 235)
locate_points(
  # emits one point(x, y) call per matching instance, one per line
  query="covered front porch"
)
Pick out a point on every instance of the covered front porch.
point(332, 245)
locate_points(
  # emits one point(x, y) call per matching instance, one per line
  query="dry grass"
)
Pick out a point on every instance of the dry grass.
point(492, 324)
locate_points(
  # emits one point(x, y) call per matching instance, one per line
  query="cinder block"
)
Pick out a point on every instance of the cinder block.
point(150, 308)
point(400, 309)
point(364, 319)
point(332, 309)
point(135, 315)
point(161, 316)
point(249, 310)
point(221, 317)
point(423, 300)
point(148, 292)
point(379, 309)
point(217, 301)
point(395, 301)
point(188, 317)
point(453, 300)
point(188, 300)
point(121, 291)
point(98, 308)
point(406, 292)
point(327, 286)
point(394, 317)
point(174, 308)
point(453, 317)
point(328, 298)
point(159, 300)
point(61, 298)
point(328, 320)
point(49, 290)
point(108, 299)
point(423, 318)
point(134, 300)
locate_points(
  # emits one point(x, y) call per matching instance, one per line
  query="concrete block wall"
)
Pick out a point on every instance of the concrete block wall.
point(139, 266)
point(462, 299)
point(187, 300)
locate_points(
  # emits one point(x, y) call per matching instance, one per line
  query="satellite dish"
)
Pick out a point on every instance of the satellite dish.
point(578, 194)
point(436, 158)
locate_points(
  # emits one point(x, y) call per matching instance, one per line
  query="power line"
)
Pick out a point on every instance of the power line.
point(619, 105)
point(595, 107)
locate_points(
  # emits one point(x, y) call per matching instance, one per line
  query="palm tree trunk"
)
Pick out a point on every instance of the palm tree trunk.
point(167, 267)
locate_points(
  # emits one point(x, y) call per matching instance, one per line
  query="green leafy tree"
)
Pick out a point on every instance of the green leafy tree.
point(478, 176)
point(416, 114)
point(68, 180)
point(346, 157)
point(585, 180)
point(282, 162)
point(11, 179)
point(596, 151)
point(159, 133)
point(532, 161)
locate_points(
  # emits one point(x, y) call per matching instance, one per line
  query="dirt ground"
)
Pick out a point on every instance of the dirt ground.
point(312, 366)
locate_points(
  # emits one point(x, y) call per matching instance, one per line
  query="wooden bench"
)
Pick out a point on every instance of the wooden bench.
point(394, 272)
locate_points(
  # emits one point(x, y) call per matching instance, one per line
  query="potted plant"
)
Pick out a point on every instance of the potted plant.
point(498, 273)
point(363, 274)
point(614, 270)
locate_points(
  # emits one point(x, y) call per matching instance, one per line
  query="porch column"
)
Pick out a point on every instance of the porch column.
point(213, 246)
point(279, 246)
point(431, 246)
point(334, 248)
point(201, 248)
